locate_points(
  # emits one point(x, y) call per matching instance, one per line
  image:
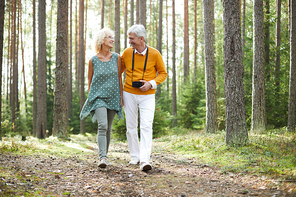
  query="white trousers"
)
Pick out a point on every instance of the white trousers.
point(146, 105)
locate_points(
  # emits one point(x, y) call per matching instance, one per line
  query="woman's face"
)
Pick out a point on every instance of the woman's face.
point(108, 41)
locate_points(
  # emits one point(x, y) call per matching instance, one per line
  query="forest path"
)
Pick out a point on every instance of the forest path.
point(79, 175)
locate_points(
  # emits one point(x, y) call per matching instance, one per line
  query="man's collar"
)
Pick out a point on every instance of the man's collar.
point(143, 52)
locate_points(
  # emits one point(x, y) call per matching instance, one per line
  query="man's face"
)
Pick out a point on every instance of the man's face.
point(134, 41)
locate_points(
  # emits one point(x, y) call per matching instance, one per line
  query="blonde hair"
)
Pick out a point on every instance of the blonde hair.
point(99, 38)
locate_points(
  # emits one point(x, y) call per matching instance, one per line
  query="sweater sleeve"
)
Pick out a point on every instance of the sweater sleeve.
point(161, 70)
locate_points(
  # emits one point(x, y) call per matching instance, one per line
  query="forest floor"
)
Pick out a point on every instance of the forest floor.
point(77, 174)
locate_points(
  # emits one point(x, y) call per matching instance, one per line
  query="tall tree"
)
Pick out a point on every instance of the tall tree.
point(186, 41)
point(125, 23)
point(244, 25)
point(195, 38)
point(159, 40)
point(292, 78)
point(23, 57)
point(174, 91)
point(81, 60)
point(137, 11)
point(277, 57)
point(41, 109)
point(102, 13)
point(60, 116)
point(2, 12)
point(267, 39)
point(235, 111)
point(142, 12)
point(13, 89)
point(132, 12)
point(258, 121)
point(34, 72)
point(117, 26)
point(167, 51)
point(70, 67)
point(211, 95)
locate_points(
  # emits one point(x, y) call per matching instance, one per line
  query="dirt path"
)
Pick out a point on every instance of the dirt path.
point(78, 175)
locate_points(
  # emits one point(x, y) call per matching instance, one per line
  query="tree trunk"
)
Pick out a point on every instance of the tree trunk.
point(186, 41)
point(41, 109)
point(102, 13)
point(167, 53)
point(267, 40)
point(81, 60)
point(70, 68)
point(195, 39)
point(117, 26)
point(258, 121)
point(159, 40)
point(292, 80)
point(8, 51)
point(277, 58)
point(2, 13)
point(34, 73)
point(137, 11)
point(211, 95)
point(125, 23)
point(60, 116)
point(23, 58)
point(132, 13)
point(77, 48)
point(174, 91)
point(243, 25)
point(235, 111)
point(14, 67)
point(142, 12)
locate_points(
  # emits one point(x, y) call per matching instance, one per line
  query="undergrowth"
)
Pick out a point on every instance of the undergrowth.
point(267, 153)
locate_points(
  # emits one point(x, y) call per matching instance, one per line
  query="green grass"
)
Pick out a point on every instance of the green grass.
point(269, 153)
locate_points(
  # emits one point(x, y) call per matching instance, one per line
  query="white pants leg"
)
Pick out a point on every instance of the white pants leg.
point(146, 104)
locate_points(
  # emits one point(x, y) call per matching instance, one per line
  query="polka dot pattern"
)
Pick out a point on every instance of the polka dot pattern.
point(104, 89)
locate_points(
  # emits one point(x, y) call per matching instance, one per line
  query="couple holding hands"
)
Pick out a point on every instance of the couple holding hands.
point(145, 70)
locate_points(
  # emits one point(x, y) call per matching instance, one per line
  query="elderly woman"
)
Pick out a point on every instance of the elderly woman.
point(105, 90)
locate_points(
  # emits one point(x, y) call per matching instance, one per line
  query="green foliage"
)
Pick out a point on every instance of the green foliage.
point(191, 111)
point(270, 153)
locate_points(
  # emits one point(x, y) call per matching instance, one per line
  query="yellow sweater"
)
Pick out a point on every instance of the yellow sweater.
point(154, 65)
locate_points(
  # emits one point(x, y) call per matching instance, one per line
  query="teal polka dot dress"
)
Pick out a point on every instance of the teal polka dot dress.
point(104, 89)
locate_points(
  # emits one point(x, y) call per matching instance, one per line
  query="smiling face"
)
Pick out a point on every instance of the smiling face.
point(108, 41)
point(135, 42)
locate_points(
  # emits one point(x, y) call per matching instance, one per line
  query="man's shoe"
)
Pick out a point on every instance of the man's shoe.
point(134, 162)
point(145, 166)
point(103, 163)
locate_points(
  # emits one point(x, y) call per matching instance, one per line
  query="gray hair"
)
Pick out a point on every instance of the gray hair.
point(139, 30)
point(99, 38)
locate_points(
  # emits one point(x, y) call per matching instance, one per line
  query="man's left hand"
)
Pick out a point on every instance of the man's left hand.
point(146, 85)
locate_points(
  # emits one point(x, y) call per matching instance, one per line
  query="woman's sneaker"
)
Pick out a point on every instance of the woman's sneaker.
point(103, 163)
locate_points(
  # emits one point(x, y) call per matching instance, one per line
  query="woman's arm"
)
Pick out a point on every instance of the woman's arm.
point(120, 77)
point(90, 73)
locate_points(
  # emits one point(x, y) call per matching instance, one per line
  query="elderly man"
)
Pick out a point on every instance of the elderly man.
point(145, 70)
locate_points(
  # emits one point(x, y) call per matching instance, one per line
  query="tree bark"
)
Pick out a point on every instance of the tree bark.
point(142, 12)
point(277, 58)
point(70, 68)
point(34, 72)
point(60, 116)
point(41, 109)
point(174, 92)
point(117, 26)
point(258, 121)
point(195, 39)
point(14, 67)
point(267, 40)
point(211, 95)
point(132, 13)
point(2, 13)
point(186, 41)
point(137, 11)
point(125, 23)
point(81, 61)
point(102, 13)
point(235, 111)
point(292, 78)
point(243, 25)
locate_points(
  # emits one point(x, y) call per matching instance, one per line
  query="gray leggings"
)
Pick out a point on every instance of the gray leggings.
point(105, 119)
